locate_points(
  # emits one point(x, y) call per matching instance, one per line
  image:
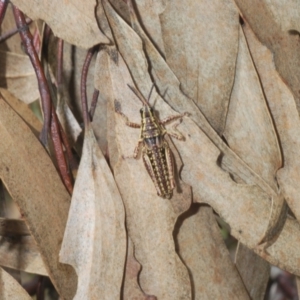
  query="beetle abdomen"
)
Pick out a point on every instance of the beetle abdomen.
point(156, 164)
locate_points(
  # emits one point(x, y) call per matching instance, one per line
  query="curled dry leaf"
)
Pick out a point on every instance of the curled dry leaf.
point(249, 129)
point(249, 219)
point(150, 219)
point(21, 253)
point(201, 44)
point(95, 239)
point(17, 75)
point(73, 21)
point(286, 119)
point(284, 45)
point(40, 195)
point(10, 289)
point(204, 252)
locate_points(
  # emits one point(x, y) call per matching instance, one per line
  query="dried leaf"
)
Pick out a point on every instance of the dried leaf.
point(286, 118)
point(285, 13)
point(47, 203)
point(23, 111)
point(163, 274)
point(10, 289)
point(201, 44)
point(73, 21)
point(249, 129)
point(104, 115)
point(13, 227)
point(254, 271)
point(17, 75)
point(69, 123)
point(97, 248)
point(21, 253)
point(149, 12)
point(204, 252)
point(135, 59)
point(284, 46)
point(249, 219)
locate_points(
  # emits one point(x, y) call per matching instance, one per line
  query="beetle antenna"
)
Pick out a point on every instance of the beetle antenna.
point(150, 92)
point(139, 95)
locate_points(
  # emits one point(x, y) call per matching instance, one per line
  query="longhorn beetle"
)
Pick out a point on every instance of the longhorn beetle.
point(156, 152)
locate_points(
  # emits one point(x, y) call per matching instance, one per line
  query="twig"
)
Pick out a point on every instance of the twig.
point(59, 153)
point(3, 7)
point(60, 53)
point(27, 40)
point(12, 32)
point(57, 133)
point(94, 104)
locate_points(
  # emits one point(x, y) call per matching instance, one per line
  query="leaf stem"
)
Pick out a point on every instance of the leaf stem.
point(27, 40)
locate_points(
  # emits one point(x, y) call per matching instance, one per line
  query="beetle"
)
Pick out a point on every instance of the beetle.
point(156, 153)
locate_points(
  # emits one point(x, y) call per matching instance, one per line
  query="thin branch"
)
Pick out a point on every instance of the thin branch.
point(57, 134)
point(59, 153)
point(27, 40)
point(5, 36)
point(60, 53)
point(3, 7)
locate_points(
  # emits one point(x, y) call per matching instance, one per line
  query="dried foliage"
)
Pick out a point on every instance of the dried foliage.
point(89, 214)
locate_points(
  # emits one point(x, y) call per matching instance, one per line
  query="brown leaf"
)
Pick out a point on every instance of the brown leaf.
point(249, 129)
point(73, 21)
point(196, 143)
point(23, 111)
point(201, 44)
point(286, 119)
point(254, 271)
point(40, 194)
point(249, 218)
point(95, 239)
point(67, 119)
point(204, 252)
point(149, 13)
point(21, 253)
point(104, 121)
point(284, 46)
point(10, 289)
point(13, 227)
point(17, 75)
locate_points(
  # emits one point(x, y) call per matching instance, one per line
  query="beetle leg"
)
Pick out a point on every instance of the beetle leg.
point(127, 122)
point(170, 165)
point(150, 171)
point(175, 133)
point(137, 148)
point(172, 118)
